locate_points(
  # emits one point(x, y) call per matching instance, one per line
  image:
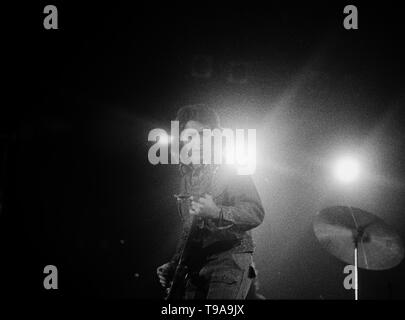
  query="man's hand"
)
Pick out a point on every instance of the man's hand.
point(165, 273)
point(205, 207)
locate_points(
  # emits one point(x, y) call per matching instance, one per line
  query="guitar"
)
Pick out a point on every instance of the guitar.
point(177, 286)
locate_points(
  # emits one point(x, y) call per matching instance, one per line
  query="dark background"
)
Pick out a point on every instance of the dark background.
point(79, 193)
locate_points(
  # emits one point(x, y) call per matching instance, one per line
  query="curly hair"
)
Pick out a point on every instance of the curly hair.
point(198, 112)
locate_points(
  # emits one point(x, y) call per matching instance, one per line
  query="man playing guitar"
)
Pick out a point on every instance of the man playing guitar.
point(214, 257)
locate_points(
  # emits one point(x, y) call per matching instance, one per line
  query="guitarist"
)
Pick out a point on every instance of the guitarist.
point(219, 211)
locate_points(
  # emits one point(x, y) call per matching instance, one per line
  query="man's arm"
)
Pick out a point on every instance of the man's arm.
point(245, 210)
point(242, 208)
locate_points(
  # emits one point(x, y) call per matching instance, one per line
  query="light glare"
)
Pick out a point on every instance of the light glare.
point(347, 169)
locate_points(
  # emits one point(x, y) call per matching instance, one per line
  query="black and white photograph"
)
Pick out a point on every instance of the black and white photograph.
point(222, 152)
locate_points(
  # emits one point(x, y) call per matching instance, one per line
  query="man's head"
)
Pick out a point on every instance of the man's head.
point(197, 115)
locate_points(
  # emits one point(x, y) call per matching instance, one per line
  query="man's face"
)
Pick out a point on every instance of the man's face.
point(199, 127)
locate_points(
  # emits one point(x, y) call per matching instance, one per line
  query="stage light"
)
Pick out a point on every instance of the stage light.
point(165, 139)
point(346, 169)
point(242, 154)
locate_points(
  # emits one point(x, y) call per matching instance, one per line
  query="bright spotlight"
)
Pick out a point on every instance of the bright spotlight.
point(347, 169)
point(165, 139)
point(242, 154)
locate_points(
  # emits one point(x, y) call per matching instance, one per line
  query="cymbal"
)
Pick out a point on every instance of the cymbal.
point(379, 246)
